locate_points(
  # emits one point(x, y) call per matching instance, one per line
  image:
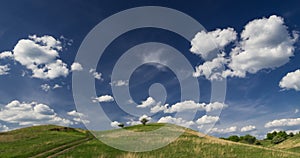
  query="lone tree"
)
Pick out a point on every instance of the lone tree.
point(144, 121)
point(121, 125)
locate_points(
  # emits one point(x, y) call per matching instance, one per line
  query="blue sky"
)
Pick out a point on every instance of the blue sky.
point(257, 45)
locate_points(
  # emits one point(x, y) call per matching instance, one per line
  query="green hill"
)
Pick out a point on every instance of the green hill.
point(56, 141)
point(291, 144)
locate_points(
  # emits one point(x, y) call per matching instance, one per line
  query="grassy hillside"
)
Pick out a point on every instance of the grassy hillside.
point(291, 144)
point(55, 141)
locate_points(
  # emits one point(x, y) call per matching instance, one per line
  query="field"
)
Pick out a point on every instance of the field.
point(56, 141)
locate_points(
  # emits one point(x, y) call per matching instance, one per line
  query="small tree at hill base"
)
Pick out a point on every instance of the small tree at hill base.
point(121, 125)
point(144, 121)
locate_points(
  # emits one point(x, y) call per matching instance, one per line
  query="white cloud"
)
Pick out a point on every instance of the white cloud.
point(283, 122)
point(41, 56)
point(4, 69)
point(188, 105)
point(296, 111)
point(212, 70)
point(207, 120)
point(3, 128)
point(293, 131)
point(134, 122)
point(78, 117)
point(56, 86)
point(177, 121)
point(6, 54)
point(115, 124)
point(224, 131)
point(158, 108)
point(76, 67)
point(45, 87)
point(265, 44)
point(145, 117)
point(28, 114)
point(215, 106)
point(119, 83)
point(248, 128)
point(185, 106)
point(205, 43)
point(104, 98)
point(147, 103)
point(291, 81)
point(96, 75)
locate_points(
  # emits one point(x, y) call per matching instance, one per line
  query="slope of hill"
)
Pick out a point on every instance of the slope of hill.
point(56, 141)
point(291, 144)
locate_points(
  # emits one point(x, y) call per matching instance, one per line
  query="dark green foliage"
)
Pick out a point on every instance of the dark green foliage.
point(270, 136)
point(277, 139)
point(234, 138)
point(291, 134)
point(282, 134)
point(121, 125)
point(144, 121)
point(257, 142)
point(248, 139)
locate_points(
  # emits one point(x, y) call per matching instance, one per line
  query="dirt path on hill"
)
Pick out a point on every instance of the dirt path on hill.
point(61, 149)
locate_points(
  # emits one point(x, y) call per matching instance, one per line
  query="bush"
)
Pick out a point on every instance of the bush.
point(257, 142)
point(234, 138)
point(278, 139)
point(270, 136)
point(248, 139)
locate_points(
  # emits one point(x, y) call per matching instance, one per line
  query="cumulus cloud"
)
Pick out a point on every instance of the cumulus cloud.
point(56, 86)
point(137, 122)
point(96, 74)
point(76, 67)
point(6, 54)
point(296, 111)
point(41, 56)
point(291, 81)
point(248, 128)
point(147, 103)
point(205, 43)
point(188, 105)
point(212, 70)
point(145, 117)
point(283, 122)
point(104, 98)
point(177, 121)
point(207, 120)
point(28, 114)
point(224, 131)
point(119, 83)
point(4, 69)
point(133, 122)
point(45, 87)
point(264, 44)
point(78, 117)
point(115, 124)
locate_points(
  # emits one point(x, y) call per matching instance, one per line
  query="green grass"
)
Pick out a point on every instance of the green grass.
point(34, 140)
point(189, 144)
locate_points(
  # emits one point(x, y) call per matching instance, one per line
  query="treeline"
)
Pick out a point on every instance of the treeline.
point(248, 139)
point(274, 137)
point(278, 137)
